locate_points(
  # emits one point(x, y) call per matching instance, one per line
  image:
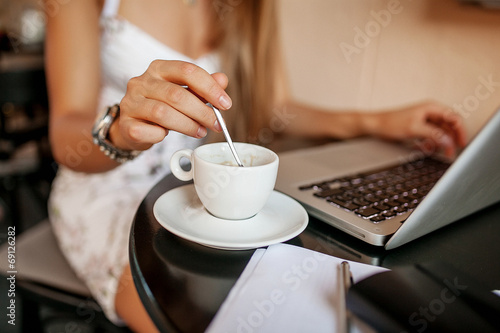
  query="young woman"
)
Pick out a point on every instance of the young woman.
point(161, 61)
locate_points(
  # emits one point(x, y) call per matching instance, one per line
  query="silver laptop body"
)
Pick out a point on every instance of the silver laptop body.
point(471, 183)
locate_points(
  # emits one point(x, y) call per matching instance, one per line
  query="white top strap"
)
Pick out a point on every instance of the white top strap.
point(110, 8)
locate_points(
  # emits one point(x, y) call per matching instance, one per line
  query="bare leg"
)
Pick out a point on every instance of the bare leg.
point(129, 306)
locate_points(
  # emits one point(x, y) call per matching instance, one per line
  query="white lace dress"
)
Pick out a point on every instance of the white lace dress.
point(91, 214)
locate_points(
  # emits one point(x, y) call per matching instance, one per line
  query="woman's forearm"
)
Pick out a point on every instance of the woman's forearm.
point(72, 145)
point(428, 120)
point(301, 120)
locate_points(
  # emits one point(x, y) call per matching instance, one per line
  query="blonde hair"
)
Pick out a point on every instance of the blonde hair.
point(250, 53)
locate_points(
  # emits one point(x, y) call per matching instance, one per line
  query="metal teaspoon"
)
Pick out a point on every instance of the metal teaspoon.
point(222, 123)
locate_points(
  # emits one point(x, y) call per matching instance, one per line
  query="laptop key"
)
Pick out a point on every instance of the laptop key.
point(377, 218)
point(367, 212)
point(347, 205)
point(392, 203)
point(389, 213)
point(400, 209)
point(361, 201)
point(328, 193)
point(382, 206)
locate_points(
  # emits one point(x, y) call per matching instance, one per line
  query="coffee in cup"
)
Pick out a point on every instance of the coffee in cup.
point(225, 189)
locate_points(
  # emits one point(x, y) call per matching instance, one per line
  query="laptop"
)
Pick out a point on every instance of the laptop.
point(388, 194)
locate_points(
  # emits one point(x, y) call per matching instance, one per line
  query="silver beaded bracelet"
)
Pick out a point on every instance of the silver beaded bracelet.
point(100, 133)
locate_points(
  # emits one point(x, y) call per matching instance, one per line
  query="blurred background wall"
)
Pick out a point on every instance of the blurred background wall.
point(22, 24)
point(371, 54)
point(366, 54)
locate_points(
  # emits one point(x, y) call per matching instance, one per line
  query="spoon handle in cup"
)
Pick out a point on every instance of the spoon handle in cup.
point(222, 123)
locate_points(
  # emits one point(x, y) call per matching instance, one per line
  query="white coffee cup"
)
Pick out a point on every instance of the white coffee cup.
point(227, 190)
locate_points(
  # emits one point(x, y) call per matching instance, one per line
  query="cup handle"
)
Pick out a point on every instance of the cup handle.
point(175, 165)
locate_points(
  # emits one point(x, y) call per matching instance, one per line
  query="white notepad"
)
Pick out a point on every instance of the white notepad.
point(286, 288)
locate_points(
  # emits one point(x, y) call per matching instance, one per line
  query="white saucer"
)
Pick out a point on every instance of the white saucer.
point(181, 212)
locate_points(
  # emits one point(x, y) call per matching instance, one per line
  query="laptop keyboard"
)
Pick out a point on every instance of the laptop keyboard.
point(382, 194)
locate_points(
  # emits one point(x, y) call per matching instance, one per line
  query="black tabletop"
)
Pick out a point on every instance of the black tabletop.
point(182, 284)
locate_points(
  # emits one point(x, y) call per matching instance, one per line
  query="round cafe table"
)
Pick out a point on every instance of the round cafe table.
point(182, 284)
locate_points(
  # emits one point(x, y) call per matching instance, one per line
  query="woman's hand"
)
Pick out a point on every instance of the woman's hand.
point(434, 125)
point(158, 101)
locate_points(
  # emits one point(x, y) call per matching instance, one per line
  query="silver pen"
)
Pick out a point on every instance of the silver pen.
point(345, 282)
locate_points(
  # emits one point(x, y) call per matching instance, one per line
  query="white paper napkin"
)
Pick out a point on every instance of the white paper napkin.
point(286, 288)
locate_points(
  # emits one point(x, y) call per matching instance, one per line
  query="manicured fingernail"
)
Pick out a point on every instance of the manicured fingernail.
point(446, 140)
point(217, 126)
point(225, 102)
point(202, 132)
